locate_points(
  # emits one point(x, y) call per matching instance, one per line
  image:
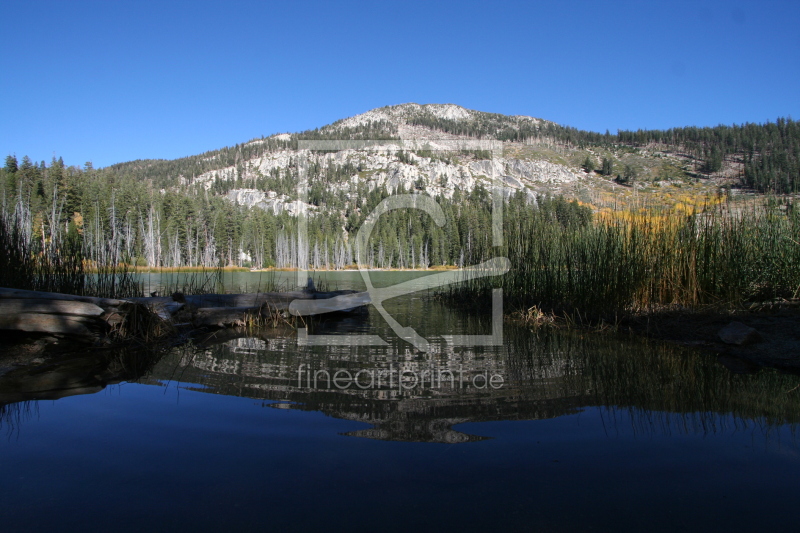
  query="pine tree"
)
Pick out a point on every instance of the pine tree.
point(608, 167)
point(11, 164)
point(713, 161)
point(630, 174)
point(588, 165)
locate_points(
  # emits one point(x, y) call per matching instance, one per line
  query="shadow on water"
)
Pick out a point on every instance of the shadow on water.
point(71, 374)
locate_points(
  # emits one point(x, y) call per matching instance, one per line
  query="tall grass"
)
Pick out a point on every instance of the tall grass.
point(54, 261)
point(26, 264)
point(632, 262)
point(202, 281)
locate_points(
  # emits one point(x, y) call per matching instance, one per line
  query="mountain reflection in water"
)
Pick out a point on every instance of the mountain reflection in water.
point(531, 376)
point(219, 434)
point(544, 375)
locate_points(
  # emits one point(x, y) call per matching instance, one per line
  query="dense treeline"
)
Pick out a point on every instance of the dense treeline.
point(166, 173)
point(153, 213)
point(769, 152)
point(508, 128)
point(117, 219)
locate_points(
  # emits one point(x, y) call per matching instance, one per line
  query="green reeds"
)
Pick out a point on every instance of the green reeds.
point(625, 262)
point(113, 281)
point(26, 263)
point(203, 281)
point(57, 264)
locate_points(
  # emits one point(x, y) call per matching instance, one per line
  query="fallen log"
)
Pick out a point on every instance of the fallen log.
point(152, 300)
point(222, 317)
point(258, 299)
point(162, 306)
point(80, 316)
point(14, 306)
point(6, 293)
point(166, 311)
point(244, 300)
point(43, 323)
point(344, 303)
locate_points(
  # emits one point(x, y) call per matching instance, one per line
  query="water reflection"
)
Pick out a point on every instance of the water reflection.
point(652, 386)
point(406, 395)
point(647, 437)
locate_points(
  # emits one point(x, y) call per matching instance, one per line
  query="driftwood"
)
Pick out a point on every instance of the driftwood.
point(243, 300)
point(164, 307)
point(276, 300)
point(233, 310)
point(87, 317)
point(222, 317)
point(12, 306)
point(19, 293)
point(41, 323)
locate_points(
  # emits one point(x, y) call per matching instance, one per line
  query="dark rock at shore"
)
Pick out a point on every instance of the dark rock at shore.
point(738, 334)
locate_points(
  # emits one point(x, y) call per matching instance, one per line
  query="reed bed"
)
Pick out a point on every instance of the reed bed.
point(58, 265)
point(633, 262)
point(26, 264)
point(202, 281)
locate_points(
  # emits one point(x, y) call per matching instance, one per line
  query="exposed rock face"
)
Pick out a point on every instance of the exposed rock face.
point(269, 201)
point(523, 172)
point(738, 334)
point(382, 169)
point(399, 114)
point(383, 166)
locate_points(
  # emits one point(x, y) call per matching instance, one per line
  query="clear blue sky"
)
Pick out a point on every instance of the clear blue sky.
point(113, 81)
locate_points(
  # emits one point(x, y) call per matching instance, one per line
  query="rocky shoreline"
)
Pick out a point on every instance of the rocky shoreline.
point(743, 340)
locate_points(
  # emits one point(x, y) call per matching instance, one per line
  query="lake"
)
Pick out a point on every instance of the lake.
point(271, 430)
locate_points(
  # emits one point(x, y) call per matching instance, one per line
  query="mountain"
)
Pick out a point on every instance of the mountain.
point(538, 157)
point(240, 204)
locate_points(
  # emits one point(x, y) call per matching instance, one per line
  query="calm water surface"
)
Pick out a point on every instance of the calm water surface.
point(579, 433)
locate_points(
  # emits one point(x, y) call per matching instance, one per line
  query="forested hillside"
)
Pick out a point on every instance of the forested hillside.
point(239, 205)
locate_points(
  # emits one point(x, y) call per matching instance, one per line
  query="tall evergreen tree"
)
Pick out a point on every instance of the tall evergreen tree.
point(11, 164)
point(588, 164)
point(608, 166)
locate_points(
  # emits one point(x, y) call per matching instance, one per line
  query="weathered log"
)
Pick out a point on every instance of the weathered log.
point(152, 300)
point(225, 316)
point(13, 306)
point(41, 323)
point(164, 307)
point(258, 299)
point(343, 303)
point(243, 300)
point(113, 317)
point(165, 311)
point(66, 314)
point(6, 293)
